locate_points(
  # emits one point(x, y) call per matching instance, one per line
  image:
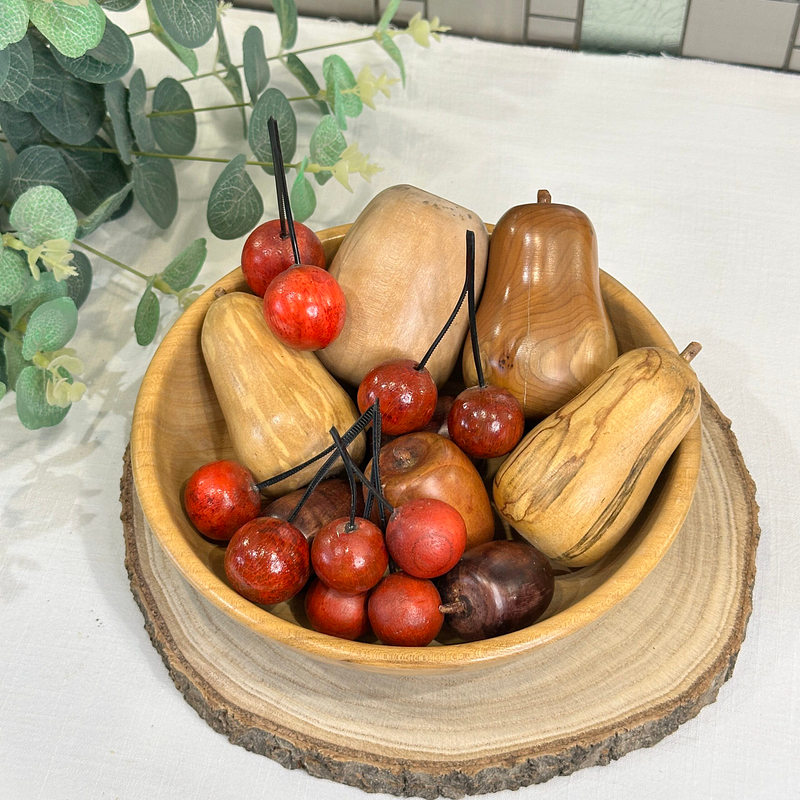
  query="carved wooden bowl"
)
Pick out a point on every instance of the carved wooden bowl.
point(178, 426)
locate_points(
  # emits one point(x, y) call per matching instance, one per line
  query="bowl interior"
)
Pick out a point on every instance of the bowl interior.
point(178, 425)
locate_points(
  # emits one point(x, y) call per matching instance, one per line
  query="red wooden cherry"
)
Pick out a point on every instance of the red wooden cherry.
point(426, 537)
point(305, 307)
point(266, 253)
point(404, 611)
point(350, 561)
point(220, 497)
point(486, 422)
point(408, 395)
point(337, 613)
point(267, 561)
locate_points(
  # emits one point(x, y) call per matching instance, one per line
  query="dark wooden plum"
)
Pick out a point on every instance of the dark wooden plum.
point(404, 611)
point(486, 421)
point(336, 613)
point(496, 588)
point(349, 560)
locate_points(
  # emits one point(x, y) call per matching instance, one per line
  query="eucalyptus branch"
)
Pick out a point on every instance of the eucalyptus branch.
point(195, 110)
point(159, 284)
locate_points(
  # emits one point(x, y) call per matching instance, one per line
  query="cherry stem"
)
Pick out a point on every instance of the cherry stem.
point(691, 350)
point(375, 476)
point(351, 478)
point(456, 607)
point(284, 206)
point(473, 325)
point(372, 490)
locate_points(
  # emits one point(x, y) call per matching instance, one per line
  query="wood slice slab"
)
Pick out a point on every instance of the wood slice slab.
point(623, 682)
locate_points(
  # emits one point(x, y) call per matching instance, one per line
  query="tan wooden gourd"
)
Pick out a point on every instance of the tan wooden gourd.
point(576, 482)
point(402, 266)
point(279, 403)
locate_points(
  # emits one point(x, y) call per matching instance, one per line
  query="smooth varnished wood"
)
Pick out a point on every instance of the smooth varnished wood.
point(178, 424)
point(543, 330)
point(402, 268)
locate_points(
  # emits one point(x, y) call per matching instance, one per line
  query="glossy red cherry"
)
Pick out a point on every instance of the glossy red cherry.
point(351, 561)
point(486, 422)
point(404, 611)
point(305, 307)
point(426, 537)
point(266, 253)
point(267, 561)
point(220, 497)
point(337, 613)
point(407, 395)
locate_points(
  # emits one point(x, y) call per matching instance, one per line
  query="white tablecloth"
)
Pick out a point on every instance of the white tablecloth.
point(690, 172)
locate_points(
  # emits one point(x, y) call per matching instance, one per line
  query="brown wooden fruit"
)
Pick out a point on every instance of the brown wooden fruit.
point(543, 329)
point(426, 465)
point(279, 403)
point(401, 266)
point(576, 482)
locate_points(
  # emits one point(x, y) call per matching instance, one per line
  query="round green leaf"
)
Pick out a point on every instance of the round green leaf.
point(47, 80)
point(184, 268)
point(39, 165)
point(116, 96)
point(107, 62)
point(71, 29)
point(15, 363)
point(14, 276)
point(339, 76)
point(137, 96)
point(307, 80)
point(175, 133)
point(95, 176)
point(119, 5)
point(78, 113)
point(287, 20)
point(303, 198)
point(43, 213)
point(79, 285)
point(155, 187)
point(327, 143)
point(20, 71)
point(5, 63)
point(33, 409)
point(231, 78)
point(190, 23)
point(13, 22)
point(272, 103)
point(234, 205)
point(256, 66)
point(36, 293)
point(50, 327)
point(5, 172)
point(106, 210)
point(147, 313)
point(21, 129)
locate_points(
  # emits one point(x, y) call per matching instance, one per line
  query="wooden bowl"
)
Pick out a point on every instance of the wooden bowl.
point(178, 426)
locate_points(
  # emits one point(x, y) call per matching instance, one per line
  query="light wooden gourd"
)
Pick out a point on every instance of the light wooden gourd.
point(402, 267)
point(279, 403)
point(169, 439)
point(576, 482)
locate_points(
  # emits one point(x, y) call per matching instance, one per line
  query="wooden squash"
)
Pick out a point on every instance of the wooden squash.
point(279, 403)
point(402, 267)
point(543, 329)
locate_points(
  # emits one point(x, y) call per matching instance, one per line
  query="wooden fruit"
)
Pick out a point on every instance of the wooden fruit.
point(544, 333)
point(279, 403)
point(401, 267)
point(426, 465)
point(576, 482)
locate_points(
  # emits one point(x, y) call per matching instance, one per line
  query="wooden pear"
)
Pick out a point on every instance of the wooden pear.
point(279, 403)
point(543, 330)
point(401, 267)
point(576, 482)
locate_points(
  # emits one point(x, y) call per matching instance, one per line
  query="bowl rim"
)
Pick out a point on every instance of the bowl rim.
point(673, 508)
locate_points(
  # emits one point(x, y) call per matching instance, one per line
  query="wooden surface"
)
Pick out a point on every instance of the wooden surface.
point(170, 439)
point(625, 681)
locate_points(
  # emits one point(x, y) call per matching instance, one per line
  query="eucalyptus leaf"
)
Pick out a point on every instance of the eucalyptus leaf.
point(338, 77)
point(36, 293)
point(388, 14)
point(116, 97)
point(287, 21)
point(306, 78)
point(231, 78)
point(13, 22)
point(95, 176)
point(20, 71)
point(393, 51)
point(103, 212)
point(176, 133)
point(3, 387)
point(147, 313)
point(119, 5)
point(20, 128)
point(47, 80)
point(5, 172)
point(137, 97)
point(107, 62)
point(156, 188)
point(256, 66)
point(234, 205)
point(77, 114)
point(14, 276)
point(50, 327)
point(43, 213)
point(40, 165)
point(15, 363)
point(327, 143)
point(322, 177)
point(5, 63)
point(272, 103)
point(186, 55)
point(303, 197)
point(189, 22)
point(184, 268)
point(33, 410)
point(79, 284)
point(71, 29)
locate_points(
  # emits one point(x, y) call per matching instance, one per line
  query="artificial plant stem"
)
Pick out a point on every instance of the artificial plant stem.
point(139, 33)
point(194, 110)
point(110, 259)
point(274, 143)
point(8, 335)
point(351, 478)
point(446, 327)
point(473, 326)
point(321, 47)
point(280, 175)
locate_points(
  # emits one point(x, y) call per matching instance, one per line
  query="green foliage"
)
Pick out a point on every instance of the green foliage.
point(47, 81)
point(287, 20)
point(43, 213)
point(256, 66)
point(119, 5)
point(5, 173)
point(79, 284)
point(105, 211)
point(302, 196)
point(14, 276)
point(140, 123)
point(14, 362)
point(184, 268)
point(13, 22)
point(338, 79)
point(327, 143)
point(39, 166)
point(272, 103)
point(109, 61)
point(18, 72)
point(77, 115)
point(33, 410)
point(234, 206)
point(71, 29)
point(175, 133)
point(231, 79)
point(147, 313)
point(393, 51)
point(36, 293)
point(186, 55)
point(21, 129)
point(116, 96)
point(190, 23)
point(95, 176)
point(50, 327)
point(388, 15)
point(306, 78)
point(156, 188)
